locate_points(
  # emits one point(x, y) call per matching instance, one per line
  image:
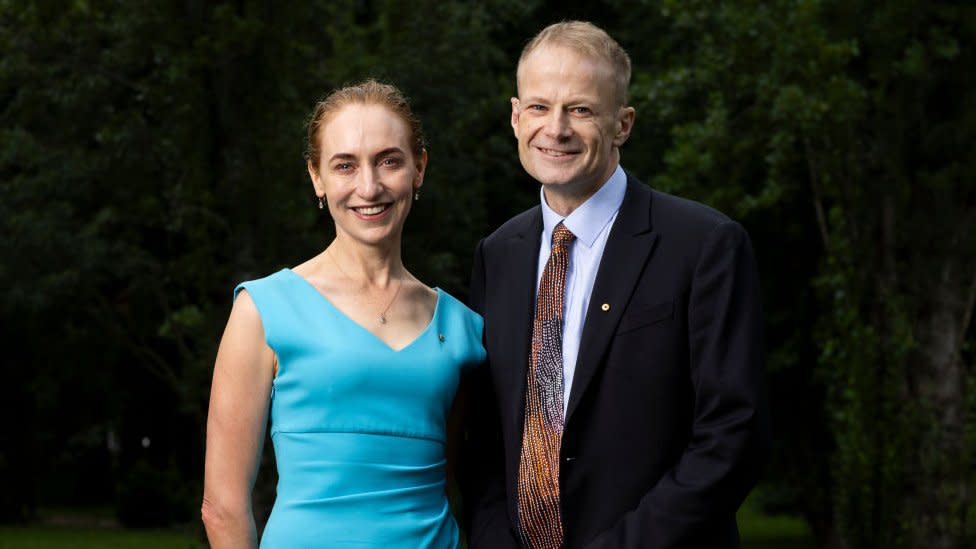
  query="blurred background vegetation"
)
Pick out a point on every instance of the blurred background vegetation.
point(151, 158)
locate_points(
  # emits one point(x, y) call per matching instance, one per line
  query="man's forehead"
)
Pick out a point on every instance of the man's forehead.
point(556, 56)
point(553, 51)
point(557, 66)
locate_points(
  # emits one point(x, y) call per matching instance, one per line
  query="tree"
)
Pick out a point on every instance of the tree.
point(152, 158)
point(857, 110)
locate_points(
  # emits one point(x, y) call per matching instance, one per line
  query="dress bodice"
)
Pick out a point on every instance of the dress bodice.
point(359, 428)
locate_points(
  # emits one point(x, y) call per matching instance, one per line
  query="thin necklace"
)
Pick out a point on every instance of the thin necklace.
point(328, 252)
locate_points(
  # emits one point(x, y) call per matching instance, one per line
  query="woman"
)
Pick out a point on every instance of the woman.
point(355, 359)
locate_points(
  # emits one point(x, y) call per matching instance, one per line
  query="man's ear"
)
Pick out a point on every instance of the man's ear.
point(516, 110)
point(624, 123)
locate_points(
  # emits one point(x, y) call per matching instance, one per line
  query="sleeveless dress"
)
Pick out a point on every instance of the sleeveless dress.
point(359, 429)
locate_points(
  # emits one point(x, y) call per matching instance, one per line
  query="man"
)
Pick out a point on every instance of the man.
point(622, 404)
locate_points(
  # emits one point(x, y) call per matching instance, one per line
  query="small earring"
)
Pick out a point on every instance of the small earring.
point(416, 195)
point(321, 203)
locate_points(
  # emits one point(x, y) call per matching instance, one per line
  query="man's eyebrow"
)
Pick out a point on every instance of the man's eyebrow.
point(589, 100)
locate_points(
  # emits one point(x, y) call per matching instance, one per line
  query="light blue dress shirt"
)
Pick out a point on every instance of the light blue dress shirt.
point(591, 223)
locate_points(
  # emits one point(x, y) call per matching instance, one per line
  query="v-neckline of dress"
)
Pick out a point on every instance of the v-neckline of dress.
point(337, 310)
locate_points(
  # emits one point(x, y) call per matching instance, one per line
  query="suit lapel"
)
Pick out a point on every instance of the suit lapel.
point(628, 246)
point(522, 264)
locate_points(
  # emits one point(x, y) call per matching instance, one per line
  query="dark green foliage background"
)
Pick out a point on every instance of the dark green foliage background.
point(151, 158)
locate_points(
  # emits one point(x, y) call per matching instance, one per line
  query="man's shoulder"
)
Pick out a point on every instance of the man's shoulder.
point(520, 225)
point(680, 222)
point(671, 212)
point(671, 209)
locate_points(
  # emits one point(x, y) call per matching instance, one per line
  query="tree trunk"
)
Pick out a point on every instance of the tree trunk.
point(938, 496)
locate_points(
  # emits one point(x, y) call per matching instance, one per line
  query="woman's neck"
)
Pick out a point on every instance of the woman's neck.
point(370, 265)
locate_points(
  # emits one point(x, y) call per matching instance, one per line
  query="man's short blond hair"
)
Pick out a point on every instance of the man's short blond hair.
point(590, 41)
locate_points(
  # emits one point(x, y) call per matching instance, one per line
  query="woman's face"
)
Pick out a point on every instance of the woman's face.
point(367, 173)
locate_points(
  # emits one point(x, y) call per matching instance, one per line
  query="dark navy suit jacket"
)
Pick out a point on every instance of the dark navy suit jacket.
point(666, 427)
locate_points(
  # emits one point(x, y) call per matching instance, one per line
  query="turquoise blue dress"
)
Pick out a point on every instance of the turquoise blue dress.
point(359, 429)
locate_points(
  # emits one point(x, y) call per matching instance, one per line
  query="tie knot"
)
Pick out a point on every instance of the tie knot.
point(561, 236)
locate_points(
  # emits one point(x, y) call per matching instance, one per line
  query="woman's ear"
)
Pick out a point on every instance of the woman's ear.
point(421, 169)
point(313, 174)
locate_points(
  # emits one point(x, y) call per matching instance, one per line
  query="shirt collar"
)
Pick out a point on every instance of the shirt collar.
point(589, 219)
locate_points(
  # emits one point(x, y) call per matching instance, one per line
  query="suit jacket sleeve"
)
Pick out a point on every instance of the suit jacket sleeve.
point(483, 474)
point(729, 433)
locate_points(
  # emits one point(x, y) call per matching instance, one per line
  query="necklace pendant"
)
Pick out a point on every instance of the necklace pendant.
point(382, 319)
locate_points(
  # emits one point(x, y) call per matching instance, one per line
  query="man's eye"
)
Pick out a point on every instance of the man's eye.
point(343, 166)
point(581, 110)
point(391, 162)
point(537, 108)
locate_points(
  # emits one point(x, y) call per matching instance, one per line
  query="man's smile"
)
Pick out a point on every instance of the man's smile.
point(556, 153)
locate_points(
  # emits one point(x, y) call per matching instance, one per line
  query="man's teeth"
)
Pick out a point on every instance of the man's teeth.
point(371, 210)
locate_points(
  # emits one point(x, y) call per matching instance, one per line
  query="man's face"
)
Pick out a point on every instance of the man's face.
point(568, 121)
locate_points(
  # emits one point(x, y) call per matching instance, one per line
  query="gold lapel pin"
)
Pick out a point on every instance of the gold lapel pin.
point(605, 307)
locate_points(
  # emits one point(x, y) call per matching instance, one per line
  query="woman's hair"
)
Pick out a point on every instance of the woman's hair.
point(368, 92)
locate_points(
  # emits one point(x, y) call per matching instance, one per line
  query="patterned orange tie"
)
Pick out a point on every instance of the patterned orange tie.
point(540, 523)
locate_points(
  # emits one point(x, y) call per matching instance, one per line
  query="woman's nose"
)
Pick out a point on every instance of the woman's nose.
point(370, 185)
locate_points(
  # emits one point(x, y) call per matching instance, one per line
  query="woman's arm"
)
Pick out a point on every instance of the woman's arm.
point(236, 425)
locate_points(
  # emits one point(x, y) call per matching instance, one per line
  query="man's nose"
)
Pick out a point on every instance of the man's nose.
point(557, 125)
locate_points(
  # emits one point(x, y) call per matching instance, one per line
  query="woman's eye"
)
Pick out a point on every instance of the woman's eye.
point(391, 162)
point(343, 166)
